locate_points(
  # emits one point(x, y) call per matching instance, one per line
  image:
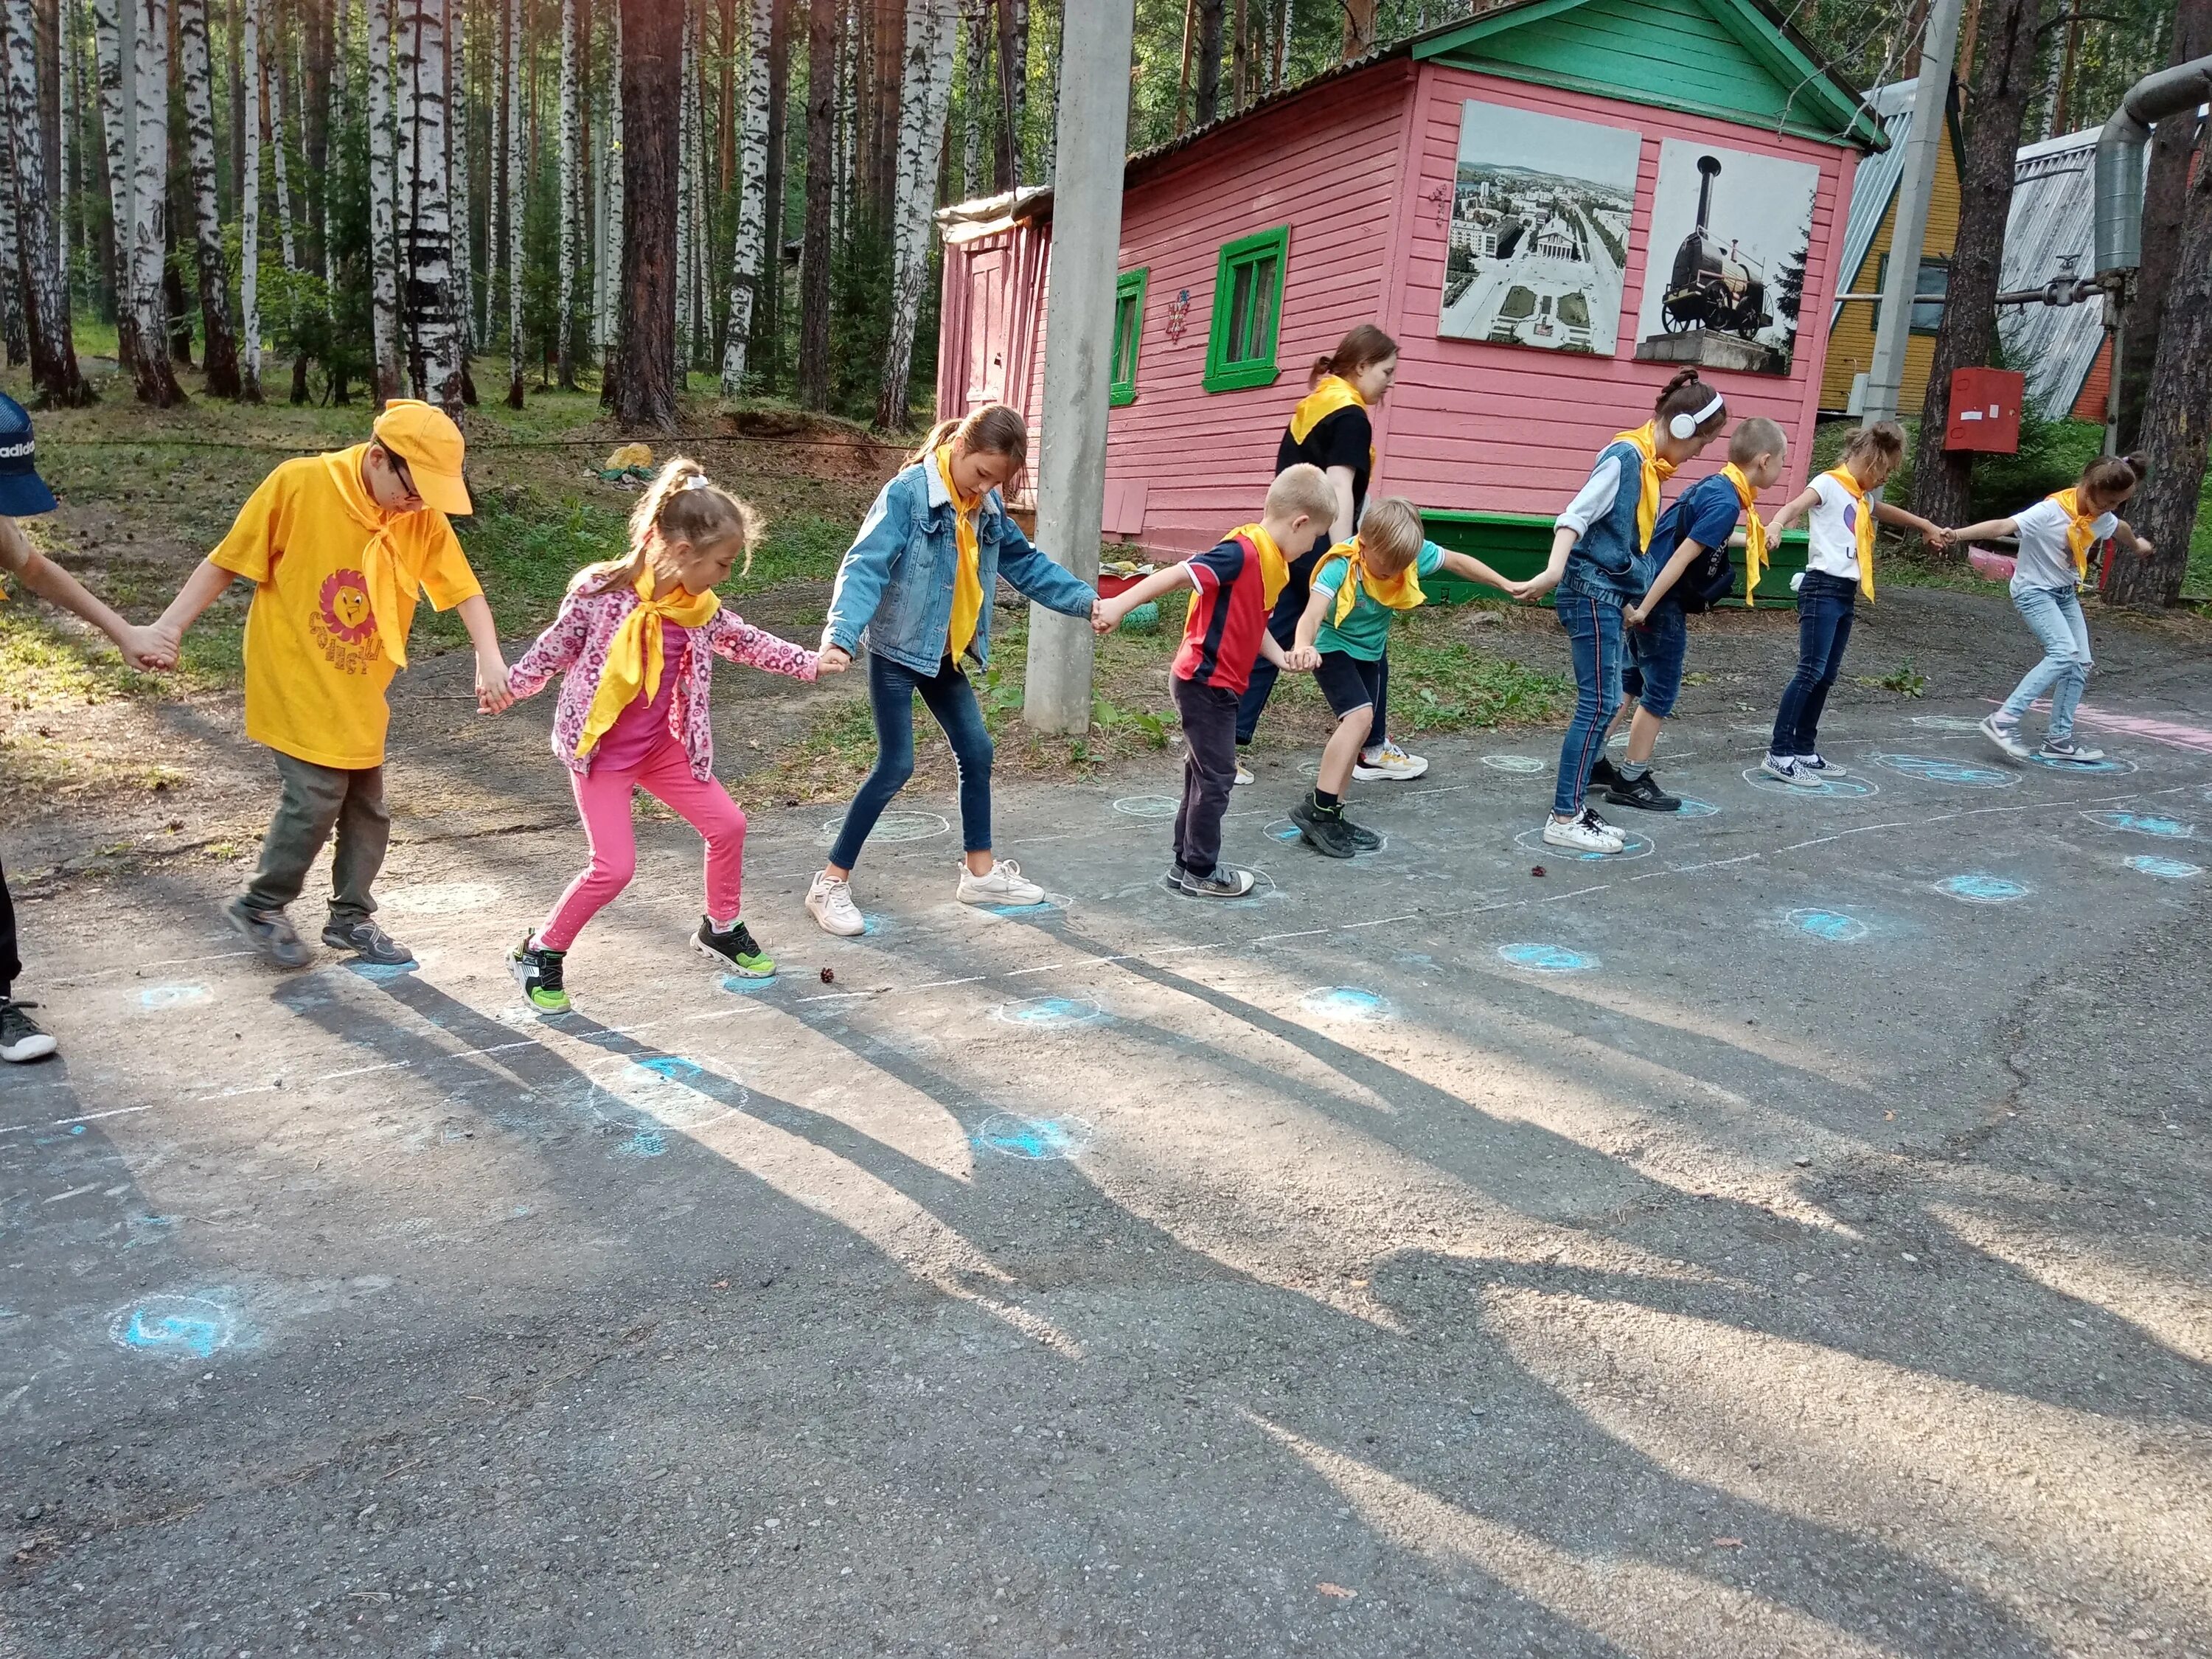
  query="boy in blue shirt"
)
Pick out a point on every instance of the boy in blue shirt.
point(1693, 536)
point(1344, 638)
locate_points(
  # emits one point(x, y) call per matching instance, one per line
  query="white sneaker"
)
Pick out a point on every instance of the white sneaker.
point(1244, 773)
point(1587, 834)
point(2005, 737)
point(1004, 885)
point(1782, 767)
point(2065, 749)
point(1817, 767)
point(830, 901)
point(1389, 764)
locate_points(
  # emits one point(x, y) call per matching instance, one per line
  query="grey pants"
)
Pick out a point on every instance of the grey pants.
point(317, 800)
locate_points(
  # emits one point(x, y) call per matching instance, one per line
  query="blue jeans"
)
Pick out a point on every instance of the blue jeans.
point(1594, 635)
point(1826, 606)
point(952, 702)
point(2055, 614)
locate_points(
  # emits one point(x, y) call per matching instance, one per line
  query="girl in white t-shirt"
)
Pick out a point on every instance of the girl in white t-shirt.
point(1839, 516)
point(2056, 535)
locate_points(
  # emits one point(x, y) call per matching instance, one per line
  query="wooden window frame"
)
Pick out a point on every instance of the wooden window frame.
point(1927, 263)
point(1260, 369)
point(1129, 285)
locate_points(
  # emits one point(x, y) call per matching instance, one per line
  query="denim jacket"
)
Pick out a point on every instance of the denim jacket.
point(894, 591)
point(1606, 562)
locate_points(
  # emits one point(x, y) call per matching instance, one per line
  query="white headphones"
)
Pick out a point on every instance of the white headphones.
point(1683, 428)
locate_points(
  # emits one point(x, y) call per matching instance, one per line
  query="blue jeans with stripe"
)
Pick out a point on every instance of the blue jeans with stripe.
point(1594, 635)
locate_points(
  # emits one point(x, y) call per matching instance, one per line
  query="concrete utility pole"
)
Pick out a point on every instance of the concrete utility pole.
point(1931, 98)
point(1078, 352)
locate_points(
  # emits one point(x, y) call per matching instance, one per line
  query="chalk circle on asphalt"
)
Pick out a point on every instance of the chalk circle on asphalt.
point(1283, 830)
point(1945, 723)
point(1975, 888)
point(1637, 846)
point(667, 1088)
point(1346, 1002)
point(157, 997)
point(2113, 766)
point(1049, 1013)
point(2167, 869)
point(1826, 789)
point(1050, 905)
point(173, 1327)
point(746, 985)
point(1833, 926)
point(1150, 808)
point(2142, 823)
point(1546, 958)
point(1526, 766)
point(1935, 768)
point(440, 898)
point(897, 826)
point(1693, 808)
point(1034, 1139)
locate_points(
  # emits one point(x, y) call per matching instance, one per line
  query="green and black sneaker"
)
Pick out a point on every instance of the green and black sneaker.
point(537, 970)
point(736, 949)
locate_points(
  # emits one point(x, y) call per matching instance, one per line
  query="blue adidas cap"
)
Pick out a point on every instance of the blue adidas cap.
point(23, 492)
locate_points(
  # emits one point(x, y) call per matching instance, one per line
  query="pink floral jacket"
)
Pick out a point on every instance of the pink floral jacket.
point(577, 643)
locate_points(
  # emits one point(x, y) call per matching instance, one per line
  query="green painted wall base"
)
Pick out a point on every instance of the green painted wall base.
point(1516, 545)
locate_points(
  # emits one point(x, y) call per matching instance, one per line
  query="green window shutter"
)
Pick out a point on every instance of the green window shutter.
point(1247, 305)
point(1128, 332)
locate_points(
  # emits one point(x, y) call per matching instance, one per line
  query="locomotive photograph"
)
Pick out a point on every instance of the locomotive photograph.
point(1539, 235)
point(1729, 232)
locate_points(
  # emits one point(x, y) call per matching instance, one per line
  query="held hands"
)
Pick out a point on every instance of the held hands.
point(1106, 614)
point(834, 659)
point(2144, 547)
point(1633, 615)
point(1302, 658)
point(494, 695)
point(149, 648)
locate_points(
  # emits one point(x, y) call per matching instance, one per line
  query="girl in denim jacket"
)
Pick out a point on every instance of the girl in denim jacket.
point(915, 589)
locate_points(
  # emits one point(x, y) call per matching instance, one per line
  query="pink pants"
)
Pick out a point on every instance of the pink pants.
point(603, 797)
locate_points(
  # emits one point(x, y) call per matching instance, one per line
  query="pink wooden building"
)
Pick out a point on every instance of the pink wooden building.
point(1551, 206)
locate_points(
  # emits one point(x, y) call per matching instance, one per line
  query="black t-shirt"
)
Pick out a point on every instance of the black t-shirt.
point(1344, 439)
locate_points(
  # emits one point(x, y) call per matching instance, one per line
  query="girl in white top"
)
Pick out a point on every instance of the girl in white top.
point(2056, 535)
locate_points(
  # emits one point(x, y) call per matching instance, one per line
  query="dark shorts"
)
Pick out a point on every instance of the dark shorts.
point(1656, 651)
point(1349, 681)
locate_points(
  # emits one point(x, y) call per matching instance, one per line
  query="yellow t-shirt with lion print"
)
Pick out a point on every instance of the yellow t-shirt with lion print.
point(316, 670)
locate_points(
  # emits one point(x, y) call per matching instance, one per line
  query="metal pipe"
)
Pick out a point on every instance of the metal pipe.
point(2120, 157)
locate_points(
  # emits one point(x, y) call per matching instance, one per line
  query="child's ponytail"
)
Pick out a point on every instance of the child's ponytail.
point(994, 428)
point(1688, 399)
point(683, 506)
point(1355, 354)
point(2112, 477)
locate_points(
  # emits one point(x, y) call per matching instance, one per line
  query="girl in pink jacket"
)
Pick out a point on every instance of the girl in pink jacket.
point(637, 639)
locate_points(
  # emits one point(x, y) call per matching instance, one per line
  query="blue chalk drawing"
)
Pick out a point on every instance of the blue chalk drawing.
point(1639, 846)
point(2110, 764)
point(1934, 769)
point(1691, 807)
point(1945, 723)
point(1977, 889)
point(745, 985)
point(174, 996)
point(1050, 904)
point(676, 1070)
point(1284, 831)
point(896, 826)
point(379, 973)
point(1524, 765)
point(871, 926)
point(1148, 806)
point(646, 1142)
point(2140, 824)
point(174, 1326)
point(1049, 1013)
point(77, 1129)
point(1034, 1139)
point(1416, 958)
point(1826, 789)
point(2169, 869)
point(1546, 958)
point(1830, 924)
point(1346, 1002)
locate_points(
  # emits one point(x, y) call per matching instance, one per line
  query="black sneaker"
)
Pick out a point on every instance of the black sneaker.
point(735, 949)
point(1364, 839)
point(1323, 828)
point(1604, 774)
point(538, 971)
point(1644, 791)
point(21, 1039)
point(1224, 881)
point(270, 933)
point(1176, 874)
point(367, 941)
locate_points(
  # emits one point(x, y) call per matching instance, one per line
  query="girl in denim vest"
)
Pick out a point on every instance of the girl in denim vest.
point(1599, 566)
point(915, 589)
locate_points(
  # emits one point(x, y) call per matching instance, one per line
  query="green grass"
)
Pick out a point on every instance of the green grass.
point(1441, 682)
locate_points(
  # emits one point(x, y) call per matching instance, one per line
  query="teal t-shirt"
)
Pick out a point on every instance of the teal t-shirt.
point(1366, 631)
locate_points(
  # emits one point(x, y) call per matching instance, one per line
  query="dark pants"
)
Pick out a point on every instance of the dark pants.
point(1594, 635)
point(1826, 605)
point(11, 964)
point(952, 702)
point(1209, 772)
point(317, 800)
point(1283, 624)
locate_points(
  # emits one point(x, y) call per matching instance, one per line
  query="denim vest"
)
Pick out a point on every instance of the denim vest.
point(894, 590)
point(1607, 563)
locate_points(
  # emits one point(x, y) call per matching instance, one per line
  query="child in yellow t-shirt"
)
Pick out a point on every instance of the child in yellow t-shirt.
point(338, 546)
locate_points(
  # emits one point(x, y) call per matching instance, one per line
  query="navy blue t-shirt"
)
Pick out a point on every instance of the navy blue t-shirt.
point(1706, 514)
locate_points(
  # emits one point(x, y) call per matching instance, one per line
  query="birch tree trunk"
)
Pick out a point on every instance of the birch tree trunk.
point(141, 339)
point(383, 229)
point(517, 199)
point(249, 214)
point(272, 51)
point(975, 26)
point(458, 191)
point(822, 22)
point(433, 329)
point(64, 149)
point(752, 206)
point(1283, 47)
point(150, 196)
point(649, 46)
point(571, 146)
point(616, 230)
point(219, 353)
point(12, 330)
point(925, 98)
point(43, 285)
point(341, 30)
point(686, 114)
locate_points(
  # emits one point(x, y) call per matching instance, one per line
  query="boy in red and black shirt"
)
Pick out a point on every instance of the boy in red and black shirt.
point(1237, 584)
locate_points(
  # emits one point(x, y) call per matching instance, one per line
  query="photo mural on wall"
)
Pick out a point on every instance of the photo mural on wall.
point(1538, 230)
point(1730, 235)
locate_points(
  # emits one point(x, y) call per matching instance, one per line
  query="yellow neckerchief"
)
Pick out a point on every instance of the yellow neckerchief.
point(1646, 440)
point(2081, 533)
point(1334, 392)
point(1755, 532)
point(1274, 568)
point(1400, 592)
point(388, 584)
point(635, 655)
point(967, 574)
point(1842, 475)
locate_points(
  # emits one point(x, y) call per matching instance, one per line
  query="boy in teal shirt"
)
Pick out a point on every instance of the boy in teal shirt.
point(1344, 640)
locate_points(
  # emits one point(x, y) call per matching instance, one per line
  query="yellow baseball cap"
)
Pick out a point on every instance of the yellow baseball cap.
point(425, 437)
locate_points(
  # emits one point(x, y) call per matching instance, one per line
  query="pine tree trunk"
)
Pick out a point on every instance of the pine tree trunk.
point(458, 192)
point(219, 353)
point(842, 141)
point(249, 214)
point(335, 123)
point(433, 324)
point(383, 207)
point(314, 85)
point(1282, 47)
point(1014, 86)
point(2166, 194)
point(822, 32)
point(1358, 28)
point(2004, 82)
point(651, 48)
point(518, 200)
point(1206, 75)
point(572, 142)
point(925, 97)
point(1240, 57)
point(745, 255)
point(43, 287)
point(976, 22)
point(272, 49)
